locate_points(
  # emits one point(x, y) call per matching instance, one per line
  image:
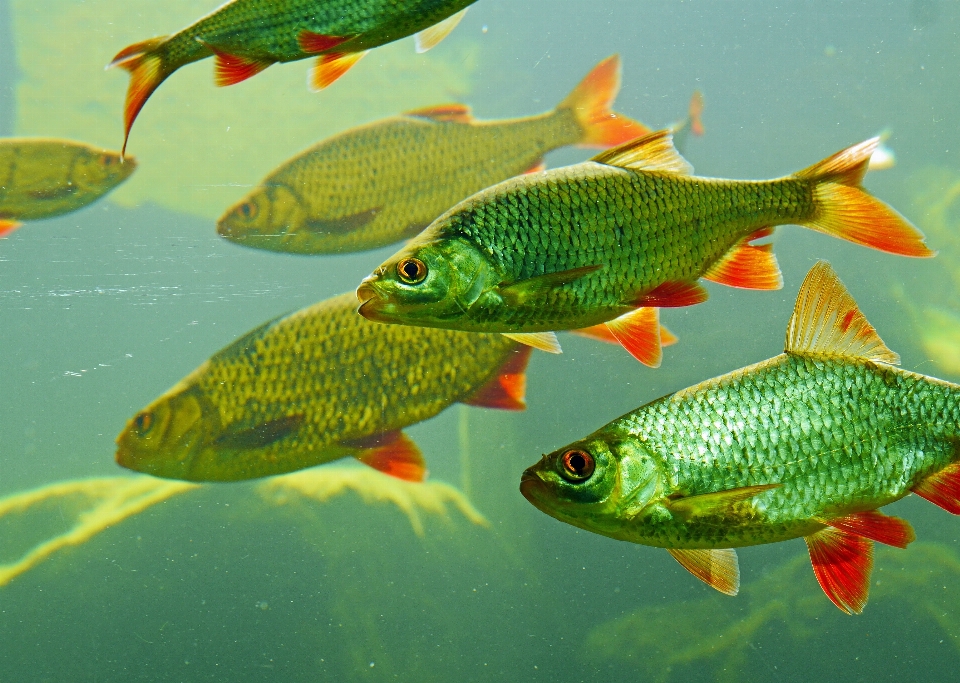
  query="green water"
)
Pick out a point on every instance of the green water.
point(103, 310)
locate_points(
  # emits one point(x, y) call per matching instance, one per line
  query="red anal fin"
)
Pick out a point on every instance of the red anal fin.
point(392, 453)
point(673, 295)
point(748, 266)
point(315, 43)
point(444, 113)
point(507, 390)
point(842, 563)
point(876, 526)
point(639, 333)
point(231, 69)
point(942, 489)
point(331, 66)
point(8, 226)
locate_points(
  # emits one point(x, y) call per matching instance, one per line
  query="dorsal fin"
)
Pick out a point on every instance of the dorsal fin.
point(455, 113)
point(653, 152)
point(827, 322)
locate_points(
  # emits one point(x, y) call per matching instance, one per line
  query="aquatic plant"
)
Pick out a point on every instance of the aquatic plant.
point(661, 640)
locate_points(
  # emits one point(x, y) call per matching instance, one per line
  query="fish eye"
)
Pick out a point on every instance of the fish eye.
point(247, 210)
point(577, 465)
point(413, 271)
point(106, 160)
point(143, 422)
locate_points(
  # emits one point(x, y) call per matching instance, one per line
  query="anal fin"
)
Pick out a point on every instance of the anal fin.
point(431, 37)
point(942, 488)
point(507, 389)
point(639, 333)
point(331, 66)
point(392, 453)
point(748, 266)
point(718, 568)
point(842, 563)
point(876, 526)
point(544, 341)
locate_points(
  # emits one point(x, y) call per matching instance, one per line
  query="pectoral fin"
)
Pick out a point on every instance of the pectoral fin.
point(842, 563)
point(719, 503)
point(521, 292)
point(718, 568)
point(392, 453)
point(260, 436)
point(342, 225)
point(431, 37)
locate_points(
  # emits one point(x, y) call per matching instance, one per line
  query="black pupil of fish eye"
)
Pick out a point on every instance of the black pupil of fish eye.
point(412, 270)
point(143, 422)
point(578, 464)
point(245, 210)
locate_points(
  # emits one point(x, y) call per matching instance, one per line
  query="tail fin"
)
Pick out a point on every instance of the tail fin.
point(591, 103)
point(146, 73)
point(846, 210)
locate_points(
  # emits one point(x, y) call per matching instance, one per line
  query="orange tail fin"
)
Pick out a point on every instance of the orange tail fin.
point(846, 210)
point(592, 102)
point(147, 71)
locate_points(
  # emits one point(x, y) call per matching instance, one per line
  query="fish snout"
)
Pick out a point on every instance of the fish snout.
point(368, 294)
point(530, 485)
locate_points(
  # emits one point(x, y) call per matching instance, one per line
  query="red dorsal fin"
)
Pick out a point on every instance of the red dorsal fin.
point(7, 226)
point(392, 453)
point(507, 389)
point(231, 69)
point(331, 66)
point(826, 321)
point(315, 43)
point(748, 266)
point(673, 295)
point(639, 333)
point(842, 563)
point(876, 526)
point(444, 113)
point(718, 568)
point(602, 333)
point(942, 488)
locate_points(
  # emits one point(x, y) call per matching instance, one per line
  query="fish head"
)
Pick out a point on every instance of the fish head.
point(595, 484)
point(166, 438)
point(264, 219)
point(98, 170)
point(429, 283)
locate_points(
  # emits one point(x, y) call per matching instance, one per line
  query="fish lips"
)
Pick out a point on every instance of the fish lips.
point(532, 488)
point(371, 303)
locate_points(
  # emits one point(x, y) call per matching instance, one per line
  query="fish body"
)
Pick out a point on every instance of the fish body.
point(315, 386)
point(376, 184)
point(589, 244)
point(43, 178)
point(247, 36)
point(807, 444)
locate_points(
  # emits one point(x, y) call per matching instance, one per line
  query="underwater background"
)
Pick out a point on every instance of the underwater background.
point(104, 309)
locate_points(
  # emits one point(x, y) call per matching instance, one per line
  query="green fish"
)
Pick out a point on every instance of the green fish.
point(807, 444)
point(247, 36)
point(606, 242)
point(44, 177)
point(380, 183)
point(315, 386)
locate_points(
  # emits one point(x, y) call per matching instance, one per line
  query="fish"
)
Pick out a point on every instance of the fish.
point(246, 36)
point(603, 242)
point(810, 443)
point(380, 183)
point(45, 177)
point(315, 386)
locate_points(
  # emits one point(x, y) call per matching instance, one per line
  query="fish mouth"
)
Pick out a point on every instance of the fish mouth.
point(370, 300)
point(530, 486)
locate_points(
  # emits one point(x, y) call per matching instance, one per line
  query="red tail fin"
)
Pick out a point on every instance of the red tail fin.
point(592, 102)
point(146, 73)
point(846, 210)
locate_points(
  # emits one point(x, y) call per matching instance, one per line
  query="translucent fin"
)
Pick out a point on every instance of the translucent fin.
point(331, 66)
point(846, 210)
point(259, 436)
point(393, 453)
point(876, 526)
point(507, 389)
point(592, 104)
point(748, 266)
point(315, 43)
point(653, 152)
point(942, 488)
point(639, 333)
point(719, 503)
point(522, 291)
point(673, 295)
point(827, 322)
point(431, 37)
point(545, 341)
point(446, 113)
point(842, 563)
point(718, 568)
point(146, 70)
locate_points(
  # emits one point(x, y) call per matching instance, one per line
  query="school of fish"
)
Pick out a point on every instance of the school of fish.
point(502, 254)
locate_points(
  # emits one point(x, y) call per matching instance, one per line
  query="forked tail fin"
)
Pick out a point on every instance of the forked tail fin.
point(592, 104)
point(147, 71)
point(846, 210)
